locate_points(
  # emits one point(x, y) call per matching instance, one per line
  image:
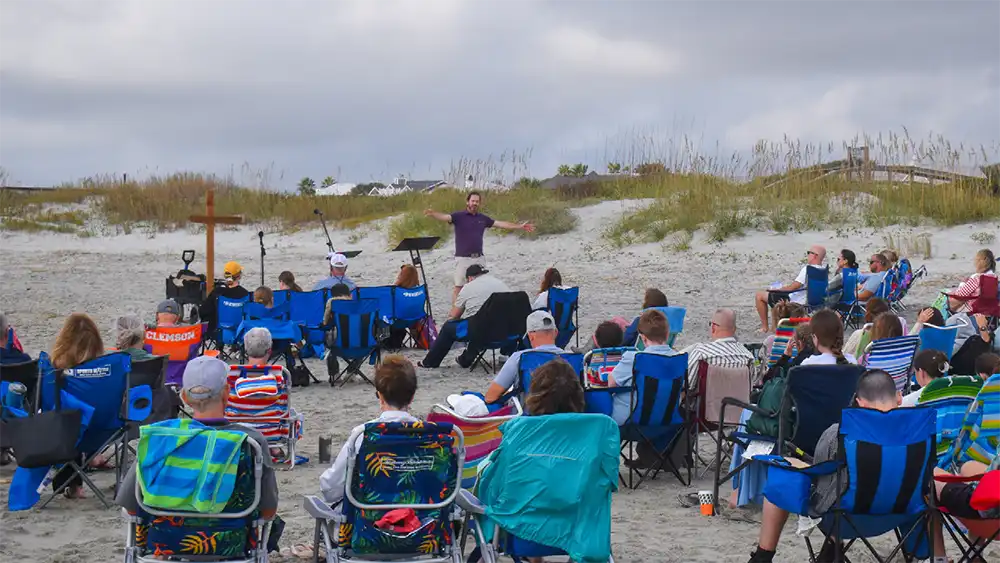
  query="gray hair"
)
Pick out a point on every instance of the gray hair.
point(129, 331)
point(257, 342)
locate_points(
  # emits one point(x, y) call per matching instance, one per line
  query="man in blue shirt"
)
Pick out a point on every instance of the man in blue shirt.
point(542, 333)
point(338, 274)
point(654, 331)
point(879, 264)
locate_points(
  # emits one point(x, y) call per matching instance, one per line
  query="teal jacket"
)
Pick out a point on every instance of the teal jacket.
point(551, 480)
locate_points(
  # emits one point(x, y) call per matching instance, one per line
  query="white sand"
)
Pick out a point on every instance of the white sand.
point(46, 277)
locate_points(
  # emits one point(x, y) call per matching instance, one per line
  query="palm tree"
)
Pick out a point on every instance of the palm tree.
point(564, 170)
point(327, 182)
point(307, 186)
point(579, 170)
point(614, 168)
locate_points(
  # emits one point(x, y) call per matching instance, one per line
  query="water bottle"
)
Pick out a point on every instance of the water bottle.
point(14, 398)
point(47, 480)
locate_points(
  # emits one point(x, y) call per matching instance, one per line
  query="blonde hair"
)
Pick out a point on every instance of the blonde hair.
point(264, 296)
point(129, 332)
point(78, 341)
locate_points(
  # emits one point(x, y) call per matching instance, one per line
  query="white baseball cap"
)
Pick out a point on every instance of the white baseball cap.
point(539, 321)
point(468, 405)
point(338, 260)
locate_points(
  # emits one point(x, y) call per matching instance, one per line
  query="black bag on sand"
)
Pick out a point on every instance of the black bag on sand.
point(44, 439)
point(300, 376)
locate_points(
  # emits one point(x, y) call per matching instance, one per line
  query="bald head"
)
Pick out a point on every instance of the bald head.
point(817, 255)
point(723, 324)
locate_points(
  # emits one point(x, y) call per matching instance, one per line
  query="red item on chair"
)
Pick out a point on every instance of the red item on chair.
point(402, 520)
point(987, 493)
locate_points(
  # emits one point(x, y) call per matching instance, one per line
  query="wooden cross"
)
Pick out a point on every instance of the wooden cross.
point(210, 219)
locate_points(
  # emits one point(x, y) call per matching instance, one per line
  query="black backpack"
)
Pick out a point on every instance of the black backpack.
point(300, 376)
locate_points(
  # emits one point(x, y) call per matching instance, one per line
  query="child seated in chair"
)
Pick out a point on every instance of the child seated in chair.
point(958, 497)
point(395, 386)
point(205, 390)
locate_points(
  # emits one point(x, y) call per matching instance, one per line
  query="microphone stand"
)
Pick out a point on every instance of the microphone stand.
point(329, 242)
point(260, 235)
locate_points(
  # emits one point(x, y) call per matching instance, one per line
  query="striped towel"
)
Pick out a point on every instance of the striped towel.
point(187, 466)
point(481, 438)
point(263, 386)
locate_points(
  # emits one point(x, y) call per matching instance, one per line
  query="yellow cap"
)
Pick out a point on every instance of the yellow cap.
point(233, 269)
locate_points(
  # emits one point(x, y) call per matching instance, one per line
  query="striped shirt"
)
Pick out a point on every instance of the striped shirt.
point(725, 352)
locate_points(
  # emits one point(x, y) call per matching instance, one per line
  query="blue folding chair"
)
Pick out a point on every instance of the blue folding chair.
point(813, 399)
point(257, 311)
point(563, 305)
point(889, 457)
point(675, 318)
point(658, 398)
point(529, 361)
point(229, 315)
point(938, 338)
point(384, 294)
point(355, 339)
point(102, 383)
point(848, 305)
point(281, 296)
point(306, 309)
point(950, 414)
point(894, 356)
point(409, 306)
point(817, 282)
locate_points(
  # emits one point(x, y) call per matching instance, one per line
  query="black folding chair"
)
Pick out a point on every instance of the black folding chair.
point(25, 373)
point(151, 372)
point(498, 324)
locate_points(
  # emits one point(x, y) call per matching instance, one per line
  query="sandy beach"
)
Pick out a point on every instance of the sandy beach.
point(48, 276)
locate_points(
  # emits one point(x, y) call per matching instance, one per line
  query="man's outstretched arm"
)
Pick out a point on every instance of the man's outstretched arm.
point(436, 215)
point(527, 227)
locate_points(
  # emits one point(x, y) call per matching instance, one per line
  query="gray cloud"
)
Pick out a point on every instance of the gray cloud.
point(369, 89)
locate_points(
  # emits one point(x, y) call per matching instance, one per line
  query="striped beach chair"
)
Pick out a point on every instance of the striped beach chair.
point(980, 434)
point(482, 435)
point(951, 398)
point(258, 397)
point(599, 363)
point(894, 356)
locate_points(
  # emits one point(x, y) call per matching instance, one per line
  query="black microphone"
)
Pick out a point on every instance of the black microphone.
point(260, 234)
point(317, 212)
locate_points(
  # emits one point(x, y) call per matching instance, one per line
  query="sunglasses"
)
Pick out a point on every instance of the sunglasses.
point(713, 323)
point(811, 253)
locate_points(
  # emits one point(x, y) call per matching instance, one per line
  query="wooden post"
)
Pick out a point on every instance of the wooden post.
point(210, 219)
point(868, 164)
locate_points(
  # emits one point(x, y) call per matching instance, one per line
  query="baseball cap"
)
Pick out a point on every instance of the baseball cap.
point(233, 269)
point(539, 321)
point(468, 405)
point(475, 270)
point(168, 306)
point(338, 260)
point(206, 372)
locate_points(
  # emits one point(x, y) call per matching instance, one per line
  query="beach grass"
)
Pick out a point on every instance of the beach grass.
point(778, 188)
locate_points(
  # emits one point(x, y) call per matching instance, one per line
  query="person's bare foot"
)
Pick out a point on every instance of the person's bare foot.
point(74, 492)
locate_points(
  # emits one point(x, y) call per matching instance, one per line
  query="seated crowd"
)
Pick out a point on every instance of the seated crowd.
point(818, 339)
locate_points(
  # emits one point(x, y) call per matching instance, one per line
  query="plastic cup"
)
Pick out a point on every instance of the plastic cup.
point(706, 498)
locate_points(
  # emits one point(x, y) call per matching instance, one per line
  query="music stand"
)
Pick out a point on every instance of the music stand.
point(349, 253)
point(414, 246)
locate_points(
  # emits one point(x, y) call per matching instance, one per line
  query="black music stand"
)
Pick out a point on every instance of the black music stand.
point(414, 246)
point(348, 253)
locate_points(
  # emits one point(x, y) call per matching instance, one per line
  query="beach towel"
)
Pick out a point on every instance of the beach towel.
point(185, 465)
point(263, 386)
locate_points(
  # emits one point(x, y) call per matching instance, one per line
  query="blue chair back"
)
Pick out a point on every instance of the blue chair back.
point(819, 394)
point(850, 287)
point(950, 414)
point(384, 295)
point(101, 383)
point(675, 318)
point(895, 356)
point(355, 322)
point(257, 311)
point(890, 459)
point(409, 305)
point(563, 304)
point(530, 360)
point(307, 307)
point(281, 296)
point(428, 482)
point(938, 338)
point(657, 384)
point(884, 290)
point(229, 315)
point(817, 282)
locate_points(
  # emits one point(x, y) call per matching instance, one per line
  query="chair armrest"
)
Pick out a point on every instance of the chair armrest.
point(317, 508)
point(820, 469)
point(726, 401)
point(957, 478)
point(469, 503)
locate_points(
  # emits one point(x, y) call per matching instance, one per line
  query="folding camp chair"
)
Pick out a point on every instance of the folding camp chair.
point(529, 361)
point(675, 319)
point(306, 309)
point(409, 307)
point(179, 343)
point(782, 334)
point(848, 294)
point(962, 529)
point(162, 405)
point(355, 339)
point(499, 324)
point(659, 400)
point(938, 338)
point(229, 315)
point(599, 363)
point(103, 384)
point(895, 357)
point(535, 445)
point(715, 383)
point(817, 281)
point(237, 534)
point(813, 399)
point(259, 398)
point(563, 305)
point(979, 438)
point(398, 465)
point(889, 461)
point(950, 414)
point(25, 373)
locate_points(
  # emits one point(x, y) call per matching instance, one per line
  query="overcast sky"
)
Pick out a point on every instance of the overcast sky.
point(367, 89)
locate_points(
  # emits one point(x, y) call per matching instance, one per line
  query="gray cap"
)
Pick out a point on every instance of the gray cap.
point(257, 342)
point(208, 373)
point(539, 321)
point(168, 306)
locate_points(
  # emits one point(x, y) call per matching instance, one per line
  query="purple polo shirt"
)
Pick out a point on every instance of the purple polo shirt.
point(469, 231)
